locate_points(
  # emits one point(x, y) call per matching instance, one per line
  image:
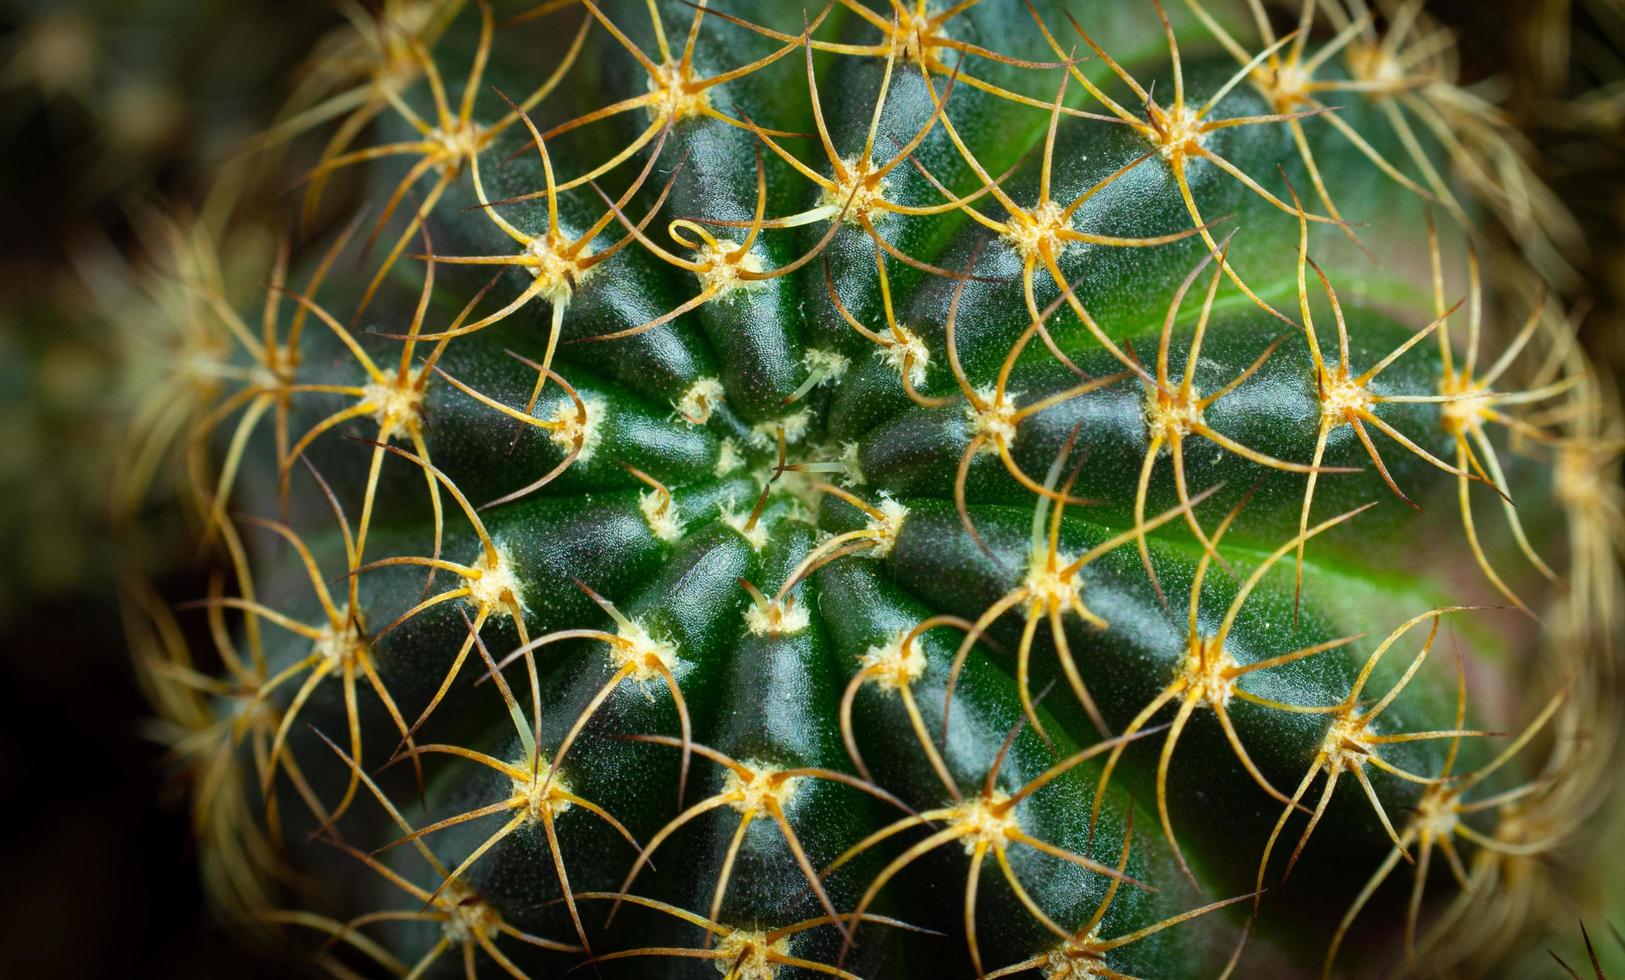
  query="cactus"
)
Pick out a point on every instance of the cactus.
point(906, 488)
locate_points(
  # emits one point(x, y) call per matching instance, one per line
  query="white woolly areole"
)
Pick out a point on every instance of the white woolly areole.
point(458, 144)
point(1344, 400)
point(1049, 584)
point(470, 917)
point(660, 512)
point(340, 645)
point(893, 665)
point(1079, 958)
point(532, 800)
point(722, 277)
point(558, 275)
point(728, 458)
point(1038, 232)
point(984, 822)
point(765, 435)
point(1375, 62)
point(908, 351)
point(853, 469)
point(831, 364)
point(584, 424)
point(755, 536)
point(855, 193)
point(397, 406)
point(1206, 669)
point(775, 618)
point(887, 526)
point(698, 401)
point(640, 649)
point(1179, 131)
point(909, 39)
point(1438, 811)
point(997, 421)
point(746, 954)
point(759, 785)
point(495, 585)
point(1346, 743)
point(1169, 416)
point(677, 100)
point(1472, 403)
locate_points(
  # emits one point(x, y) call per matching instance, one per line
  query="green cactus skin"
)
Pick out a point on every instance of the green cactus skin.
point(902, 595)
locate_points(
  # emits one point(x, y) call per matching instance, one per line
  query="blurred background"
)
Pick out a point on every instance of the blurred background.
point(109, 109)
point(121, 115)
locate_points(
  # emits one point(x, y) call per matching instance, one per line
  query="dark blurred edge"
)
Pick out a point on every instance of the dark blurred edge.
point(98, 875)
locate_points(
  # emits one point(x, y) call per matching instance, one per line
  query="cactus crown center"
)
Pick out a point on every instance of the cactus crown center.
point(793, 427)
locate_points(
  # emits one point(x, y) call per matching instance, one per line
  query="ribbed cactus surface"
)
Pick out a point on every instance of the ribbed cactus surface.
point(1070, 489)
